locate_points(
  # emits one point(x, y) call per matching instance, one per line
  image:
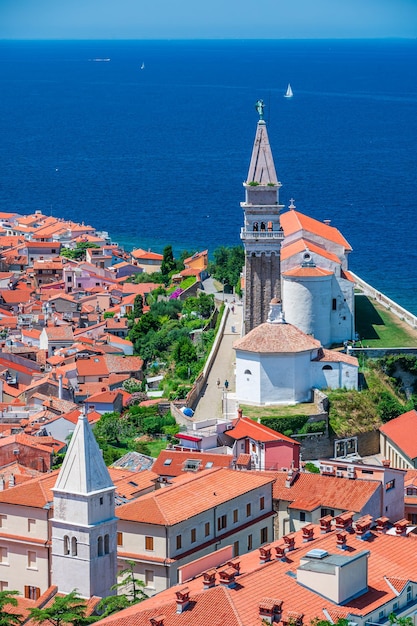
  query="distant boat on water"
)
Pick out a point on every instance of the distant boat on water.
point(101, 60)
point(288, 93)
point(142, 67)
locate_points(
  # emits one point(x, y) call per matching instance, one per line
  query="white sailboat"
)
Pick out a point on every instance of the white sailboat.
point(288, 93)
point(142, 67)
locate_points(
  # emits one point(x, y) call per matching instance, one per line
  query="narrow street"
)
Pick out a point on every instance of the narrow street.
point(216, 400)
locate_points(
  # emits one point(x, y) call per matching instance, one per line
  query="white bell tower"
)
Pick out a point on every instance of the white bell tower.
point(84, 526)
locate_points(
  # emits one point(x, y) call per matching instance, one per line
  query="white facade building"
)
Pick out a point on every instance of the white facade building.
point(276, 363)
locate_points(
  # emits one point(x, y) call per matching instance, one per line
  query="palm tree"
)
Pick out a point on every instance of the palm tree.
point(7, 618)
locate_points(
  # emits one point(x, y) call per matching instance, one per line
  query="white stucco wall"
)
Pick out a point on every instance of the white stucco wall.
point(308, 303)
point(274, 379)
point(342, 318)
point(341, 375)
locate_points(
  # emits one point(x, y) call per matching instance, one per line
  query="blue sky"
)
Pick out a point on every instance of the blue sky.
point(183, 19)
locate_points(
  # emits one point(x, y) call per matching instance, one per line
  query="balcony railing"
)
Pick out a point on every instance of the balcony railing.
point(261, 234)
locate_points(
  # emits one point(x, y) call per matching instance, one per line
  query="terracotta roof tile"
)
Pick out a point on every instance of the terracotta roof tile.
point(302, 245)
point(196, 493)
point(245, 427)
point(335, 493)
point(391, 562)
point(398, 431)
point(307, 272)
point(271, 338)
point(171, 462)
point(293, 221)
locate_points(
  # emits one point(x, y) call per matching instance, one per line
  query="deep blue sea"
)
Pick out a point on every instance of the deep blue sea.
point(158, 155)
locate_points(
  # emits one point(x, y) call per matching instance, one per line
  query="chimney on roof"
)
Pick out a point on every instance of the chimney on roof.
point(280, 552)
point(289, 541)
point(235, 563)
point(308, 533)
point(291, 476)
point(183, 599)
point(264, 554)
point(401, 527)
point(240, 412)
point(270, 610)
point(386, 462)
point(227, 577)
point(341, 539)
point(158, 620)
point(363, 527)
point(325, 524)
point(344, 521)
point(12, 480)
point(327, 222)
point(382, 524)
point(209, 579)
point(60, 387)
point(292, 617)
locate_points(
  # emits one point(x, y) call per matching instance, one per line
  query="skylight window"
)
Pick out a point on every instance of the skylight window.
point(209, 464)
point(167, 461)
point(192, 465)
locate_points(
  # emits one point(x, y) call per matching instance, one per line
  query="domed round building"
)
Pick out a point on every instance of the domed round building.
point(277, 363)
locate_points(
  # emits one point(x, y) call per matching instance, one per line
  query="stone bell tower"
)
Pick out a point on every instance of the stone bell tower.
point(261, 234)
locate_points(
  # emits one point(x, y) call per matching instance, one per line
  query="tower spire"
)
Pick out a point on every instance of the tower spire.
point(262, 233)
point(262, 168)
point(83, 470)
point(84, 525)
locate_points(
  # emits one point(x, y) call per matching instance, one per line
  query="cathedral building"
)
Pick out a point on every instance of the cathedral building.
point(292, 257)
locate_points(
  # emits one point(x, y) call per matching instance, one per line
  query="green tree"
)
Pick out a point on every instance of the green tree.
point(401, 621)
point(7, 598)
point(184, 351)
point(138, 306)
point(168, 262)
point(227, 264)
point(78, 253)
point(112, 428)
point(132, 587)
point(69, 609)
point(389, 406)
point(112, 604)
point(202, 305)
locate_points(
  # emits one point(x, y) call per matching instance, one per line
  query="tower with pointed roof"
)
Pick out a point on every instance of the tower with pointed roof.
point(261, 234)
point(84, 526)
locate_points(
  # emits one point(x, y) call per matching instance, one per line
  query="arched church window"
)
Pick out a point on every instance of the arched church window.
point(270, 227)
point(248, 372)
point(100, 546)
point(66, 545)
point(106, 544)
point(263, 227)
point(327, 367)
point(255, 226)
point(74, 547)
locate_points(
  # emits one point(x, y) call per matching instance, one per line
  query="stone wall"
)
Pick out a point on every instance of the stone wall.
point(378, 353)
point(261, 286)
point(315, 447)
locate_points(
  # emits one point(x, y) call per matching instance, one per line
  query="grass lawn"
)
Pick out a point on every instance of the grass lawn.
point(156, 445)
point(254, 412)
point(379, 328)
